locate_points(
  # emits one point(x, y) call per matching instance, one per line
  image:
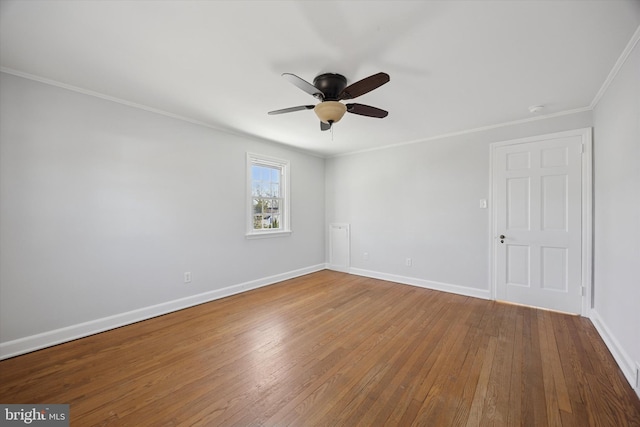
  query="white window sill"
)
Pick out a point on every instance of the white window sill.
point(267, 234)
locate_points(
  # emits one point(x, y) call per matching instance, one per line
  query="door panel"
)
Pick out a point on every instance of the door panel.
point(339, 247)
point(554, 157)
point(518, 161)
point(554, 202)
point(554, 269)
point(538, 210)
point(518, 265)
point(518, 198)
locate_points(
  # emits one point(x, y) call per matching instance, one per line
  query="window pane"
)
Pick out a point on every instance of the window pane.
point(265, 173)
point(275, 190)
point(267, 190)
point(275, 221)
point(267, 204)
point(257, 222)
point(257, 206)
point(255, 189)
point(255, 172)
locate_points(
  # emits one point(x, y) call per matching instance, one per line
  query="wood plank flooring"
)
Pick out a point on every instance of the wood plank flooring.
point(339, 350)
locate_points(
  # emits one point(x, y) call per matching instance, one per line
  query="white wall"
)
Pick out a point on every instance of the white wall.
point(104, 207)
point(421, 201)
point(617, 215)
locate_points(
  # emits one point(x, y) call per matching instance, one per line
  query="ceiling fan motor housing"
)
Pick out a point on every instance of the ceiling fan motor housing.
point(331, 85)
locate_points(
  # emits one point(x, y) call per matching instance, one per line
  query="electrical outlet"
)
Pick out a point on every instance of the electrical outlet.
point(187, 277)
point(483, 203)
point(365, 256)
point(408, 262)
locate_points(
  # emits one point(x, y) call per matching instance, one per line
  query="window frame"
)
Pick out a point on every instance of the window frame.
point(285, 217)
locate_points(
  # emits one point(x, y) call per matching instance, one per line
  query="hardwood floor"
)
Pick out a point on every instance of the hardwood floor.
point(334, 349)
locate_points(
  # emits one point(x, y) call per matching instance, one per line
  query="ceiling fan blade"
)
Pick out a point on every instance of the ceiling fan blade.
point(363, 86)
point(366, 110)
point(304, 85)
point(291, 109)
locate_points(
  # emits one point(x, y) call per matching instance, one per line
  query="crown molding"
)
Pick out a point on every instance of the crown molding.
point(616, 68)
point(143, 107)
point(467, 131)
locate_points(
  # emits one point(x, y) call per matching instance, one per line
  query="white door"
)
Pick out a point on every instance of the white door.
point(339, 247)
point(538, 222)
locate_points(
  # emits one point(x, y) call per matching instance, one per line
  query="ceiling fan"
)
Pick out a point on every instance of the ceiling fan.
point(330, 89)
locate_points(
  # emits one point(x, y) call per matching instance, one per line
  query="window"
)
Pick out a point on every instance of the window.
point(268, 196)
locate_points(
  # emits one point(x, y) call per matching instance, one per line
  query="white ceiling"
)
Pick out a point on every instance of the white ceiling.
point(454, 65)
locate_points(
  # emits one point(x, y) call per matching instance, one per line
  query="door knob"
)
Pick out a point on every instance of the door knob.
point(502, 238)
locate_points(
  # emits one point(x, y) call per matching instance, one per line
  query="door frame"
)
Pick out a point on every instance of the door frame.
point(587, 210)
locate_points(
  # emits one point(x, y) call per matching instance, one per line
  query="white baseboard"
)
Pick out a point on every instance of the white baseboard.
point(69, 333)
point(50, 338)
point(619, 354)
point(428, 284)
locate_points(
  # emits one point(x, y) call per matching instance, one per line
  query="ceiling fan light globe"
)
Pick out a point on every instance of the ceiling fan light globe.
point(330, 111)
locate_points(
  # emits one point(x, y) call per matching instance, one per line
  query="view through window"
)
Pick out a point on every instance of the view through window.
point(268, 194)
point(265, 192)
